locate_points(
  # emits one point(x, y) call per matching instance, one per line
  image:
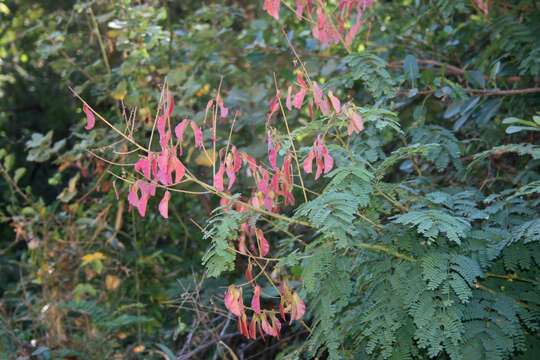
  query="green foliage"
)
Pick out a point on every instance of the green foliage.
point(369, 68)
point(103, 318)
point(327, 280)
point(431, 223)
point(333, 212)
point(221, 229)
point(448, 150)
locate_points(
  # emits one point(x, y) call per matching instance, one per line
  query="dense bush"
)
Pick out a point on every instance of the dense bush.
point(340, 179)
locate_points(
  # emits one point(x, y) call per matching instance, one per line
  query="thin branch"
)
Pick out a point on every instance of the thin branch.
point(291, 140)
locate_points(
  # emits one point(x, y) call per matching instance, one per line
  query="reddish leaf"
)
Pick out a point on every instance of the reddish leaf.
point(229, 169)
point(165, 139)
point(267, 328)
point(274, 184)
point(178, 168)
point(180, 129)
point(243, 326)
point(322, 157)
point(317, 94)
point(197, 133)
point(262, 185)
point(147, 190)
point(164, 205)
point(300, 79)
point(253, 327)
point(288, 101)
point(300, 7)
point(144, 165)
point(237, 159)
point(353, 31)
point(298, 307)
point(251, 162)
point(256, 300)
point(90, 118)
point(169, 164)
point(299, 98)
point(233, 300)
point(308, 162)
point(356, 123)
point(276, 325)
point(336, 104)
point(327, 160)
point(272, 7)
point(273, 106)
point(161, 125)
point(218, 178)
point(223, 110)
point(273, 150)
point(249, 270)
point(264, 247)
point(323, 30)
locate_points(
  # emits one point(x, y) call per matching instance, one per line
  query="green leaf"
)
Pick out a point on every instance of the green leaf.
point(432, 223)
point(410, 66)
point(19, 173)
point(221, 229)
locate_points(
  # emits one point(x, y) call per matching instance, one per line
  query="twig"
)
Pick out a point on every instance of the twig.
point(482, 92)
point(291, 140)
point(205, 346)
point(100, 40)
point(13, 185)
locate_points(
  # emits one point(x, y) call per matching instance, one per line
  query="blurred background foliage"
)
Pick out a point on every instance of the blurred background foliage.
point(81, 277)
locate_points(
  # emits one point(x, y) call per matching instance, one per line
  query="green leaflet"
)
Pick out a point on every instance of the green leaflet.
point(334, 212)
point(221, 229)
point(432, 223)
